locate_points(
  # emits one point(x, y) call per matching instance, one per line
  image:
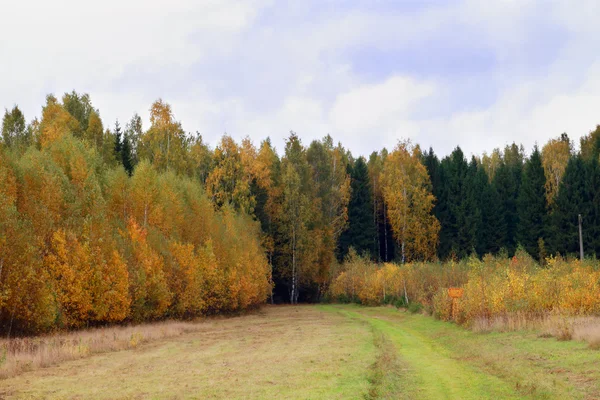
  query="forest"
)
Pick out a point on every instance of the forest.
point(102, 223)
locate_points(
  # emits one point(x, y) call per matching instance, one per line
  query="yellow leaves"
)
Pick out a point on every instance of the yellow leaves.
point(491, 163)
point(8, 184)
point(69, 265)
point(229, 181)
point(407, 194)
point(83, 244)
point(56, 123)
point(161, 114)
point(88, 283)
point(555, 157)
point(150, 293)
point(494, 287)
point(187, 280)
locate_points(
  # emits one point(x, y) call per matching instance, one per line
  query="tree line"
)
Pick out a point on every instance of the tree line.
point(151, 218)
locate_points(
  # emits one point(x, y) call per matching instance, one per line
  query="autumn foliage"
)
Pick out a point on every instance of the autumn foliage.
point(494, 287)
point(82, 243)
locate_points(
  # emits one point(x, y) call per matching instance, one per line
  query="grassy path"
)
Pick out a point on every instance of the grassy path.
point(447, 362)
point(435, 374)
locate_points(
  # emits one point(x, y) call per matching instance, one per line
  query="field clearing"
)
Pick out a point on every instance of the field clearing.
point(325, 352)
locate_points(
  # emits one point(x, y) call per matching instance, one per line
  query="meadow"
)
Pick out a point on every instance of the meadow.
point(309, 352)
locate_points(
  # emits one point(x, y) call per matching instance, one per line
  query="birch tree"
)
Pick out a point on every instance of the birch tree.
point(407, 194)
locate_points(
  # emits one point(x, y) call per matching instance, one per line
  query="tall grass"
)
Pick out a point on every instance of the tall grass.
point(19, 355)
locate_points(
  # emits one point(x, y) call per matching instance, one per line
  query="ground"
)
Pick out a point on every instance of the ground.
point(326, 352)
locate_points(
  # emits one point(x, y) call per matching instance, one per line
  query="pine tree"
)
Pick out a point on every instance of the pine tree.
point(531, 204)
point(361, 225)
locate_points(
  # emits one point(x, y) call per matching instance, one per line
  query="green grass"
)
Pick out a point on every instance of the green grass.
point(325, 352)
point(450, 362)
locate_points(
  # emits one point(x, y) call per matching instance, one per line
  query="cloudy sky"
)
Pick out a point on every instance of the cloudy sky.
point(479, 74)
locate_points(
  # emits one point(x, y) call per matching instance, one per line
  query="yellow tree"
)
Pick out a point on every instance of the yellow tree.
point(407, 194)
point(200, 159)
point(332, 185)
point(229, 182)
point(491, 163)
point(150, 295)
point(590, 144)
point(95, 131)
point(267, 173)
point(56, 122)
point(70, 265)
point(187, 280)
point(165, 143)
point(555, 157)
point(144, 192)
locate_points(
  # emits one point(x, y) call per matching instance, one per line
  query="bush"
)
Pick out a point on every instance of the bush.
point(415, 308)
point(495, 288)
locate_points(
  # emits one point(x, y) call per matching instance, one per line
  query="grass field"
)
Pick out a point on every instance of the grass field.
point(325, 352)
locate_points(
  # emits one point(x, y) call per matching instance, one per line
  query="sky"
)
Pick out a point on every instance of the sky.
point(478, 74)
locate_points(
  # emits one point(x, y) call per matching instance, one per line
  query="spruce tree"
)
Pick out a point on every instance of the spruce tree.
point(571, 201)
point(531, 204)
point(470, 210)
point(506, 182)
point(118, 142)
point(579, 193)
point(361, 225)
point(456, 226)
point(126, 155)
point(492, 234)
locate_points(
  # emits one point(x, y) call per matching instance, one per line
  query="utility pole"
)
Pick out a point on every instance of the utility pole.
point(580, 240)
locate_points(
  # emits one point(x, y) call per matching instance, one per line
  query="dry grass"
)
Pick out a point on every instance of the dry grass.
point(509, 323)
point(585, 329)
point(280, 352)
point(25, 354)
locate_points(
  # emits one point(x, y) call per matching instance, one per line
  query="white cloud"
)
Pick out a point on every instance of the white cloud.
point(231, 66)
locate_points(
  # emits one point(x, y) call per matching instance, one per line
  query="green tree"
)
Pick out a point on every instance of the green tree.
point(492, 235)
point(14, 132)
point(531, 204)
point(118, 143)
point(127, 155)
point(81, 108)
point(577, 195)
point(590, 144)
point(507, 182)
point(134, 132)
point(570, 201)
point(458, 229)
point(361, 224)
